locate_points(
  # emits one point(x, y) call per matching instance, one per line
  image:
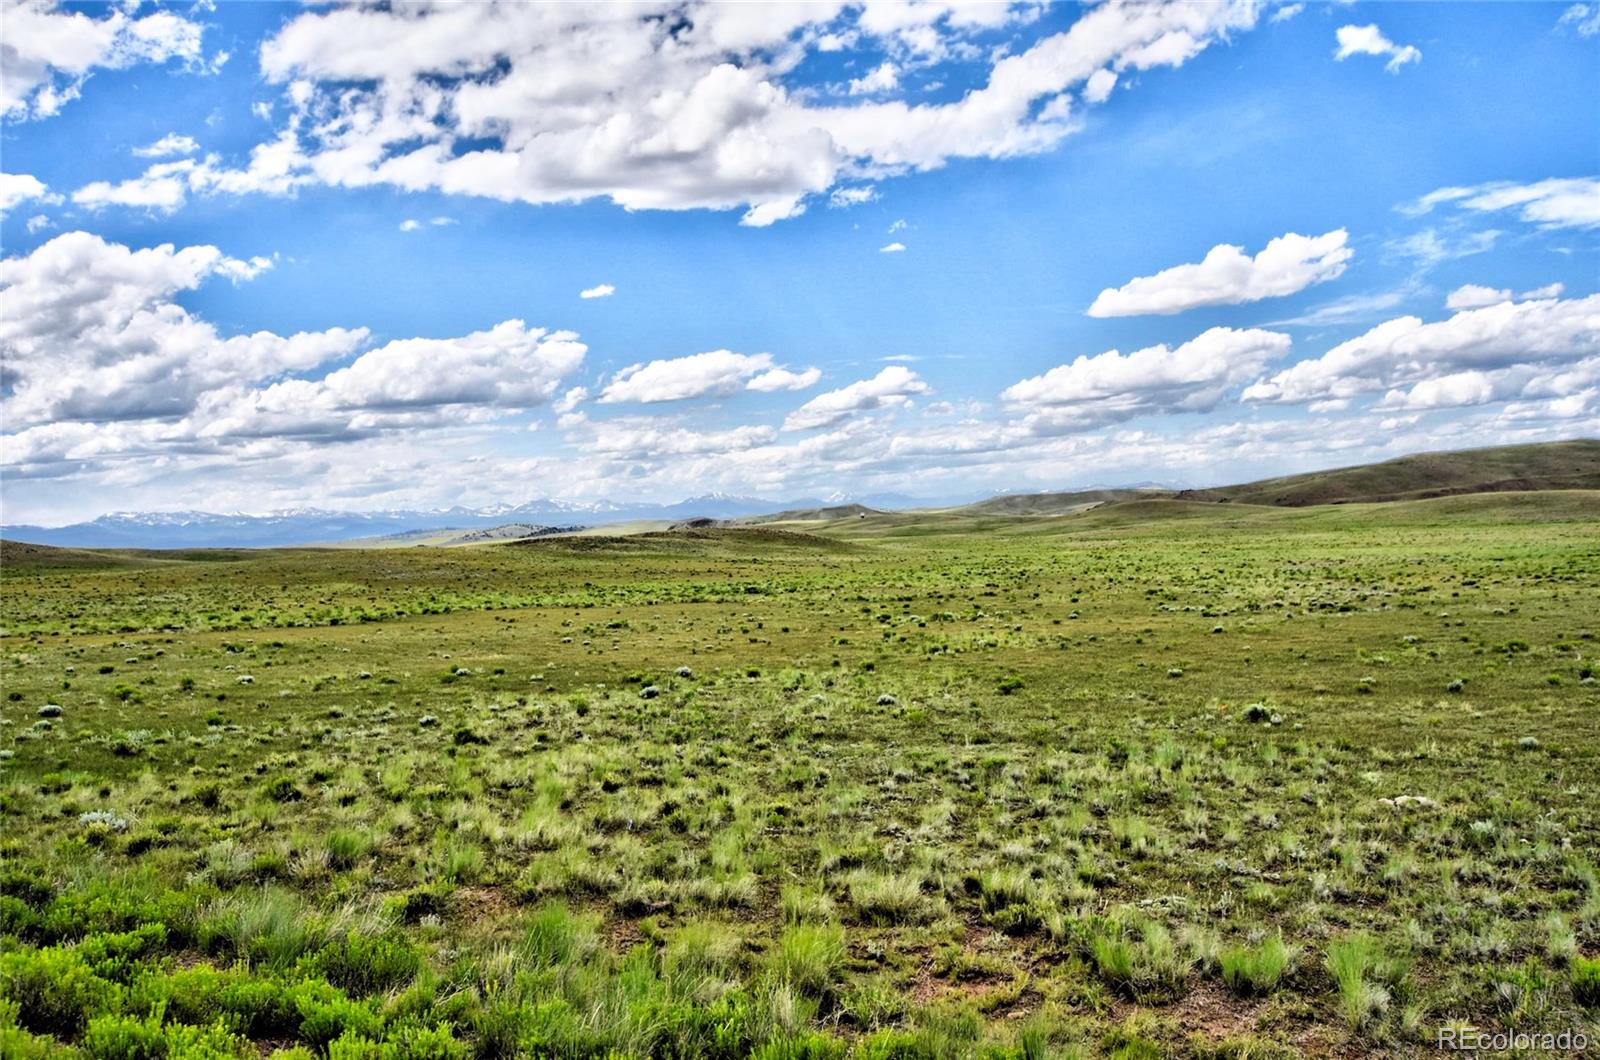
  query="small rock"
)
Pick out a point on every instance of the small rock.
point(246, 679)
point(50, 710)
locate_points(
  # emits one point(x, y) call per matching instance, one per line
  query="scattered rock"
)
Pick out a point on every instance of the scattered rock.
point(50, 710)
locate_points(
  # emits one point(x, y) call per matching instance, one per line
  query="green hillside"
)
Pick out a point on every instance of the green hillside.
point(1544, 466)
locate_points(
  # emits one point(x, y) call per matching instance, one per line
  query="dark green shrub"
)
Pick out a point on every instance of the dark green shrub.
point(55, 990)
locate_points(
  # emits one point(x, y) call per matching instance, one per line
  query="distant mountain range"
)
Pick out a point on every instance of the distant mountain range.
point(1564, 465)
point(308, 526)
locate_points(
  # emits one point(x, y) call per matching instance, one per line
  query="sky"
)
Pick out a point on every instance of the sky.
point(266, 256)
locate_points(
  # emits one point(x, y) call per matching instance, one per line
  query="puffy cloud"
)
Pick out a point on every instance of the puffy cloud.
point(169, 145)
point(90, 330)
point(101, 365)
point(1406, 351)
point(715, 373)
point(18, 188)
point(603, 290)
point(1112, 386)
point(1098, 88)
point(1558, 202)
point(1229, 276)
point(1286, 12)
point(275, 168)
point(884, 78)
point(402, 384)
point(892, 387)
point(1574, 384)
point(570, 400)
point(844, 198)
point(892, 248)
point(161, 187)
point(511, 365)
point(1369, 40)
point(1474, 296)
point(667, 105)
point(782, 379)
point(49, 52)
point(1457, 388)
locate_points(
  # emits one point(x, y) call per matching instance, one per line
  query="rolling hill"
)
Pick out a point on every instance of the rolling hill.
point(1544, 466)
point(1566, 465)
point(1061, 503)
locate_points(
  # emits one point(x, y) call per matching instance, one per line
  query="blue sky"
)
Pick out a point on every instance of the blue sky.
point(261, 256)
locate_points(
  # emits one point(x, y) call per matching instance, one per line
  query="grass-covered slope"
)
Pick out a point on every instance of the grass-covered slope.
point(1513, 468)
point(1517, 468)
point(1052, 503)
point(1166, 778)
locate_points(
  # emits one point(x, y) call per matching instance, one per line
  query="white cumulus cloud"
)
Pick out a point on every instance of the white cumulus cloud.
point(1406, 351)
point(1369, 40)
point(90, 330)
point(716, 373)
point(1111, 386)
point(1229, 276)
point(1475, 296)
point(169, 145)
point(49, 51)
point(602, 290)
point(782, 379)
point(18, 188)
point(891, 387)
point(668, 108)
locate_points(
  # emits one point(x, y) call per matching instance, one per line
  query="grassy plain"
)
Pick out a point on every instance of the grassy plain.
point(1162, 778)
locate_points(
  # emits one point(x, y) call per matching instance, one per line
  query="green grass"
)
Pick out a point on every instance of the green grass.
point(1255, 969)
point(1161, 778)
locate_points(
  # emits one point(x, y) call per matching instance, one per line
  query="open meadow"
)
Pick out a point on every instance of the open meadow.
point(1159, 778)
